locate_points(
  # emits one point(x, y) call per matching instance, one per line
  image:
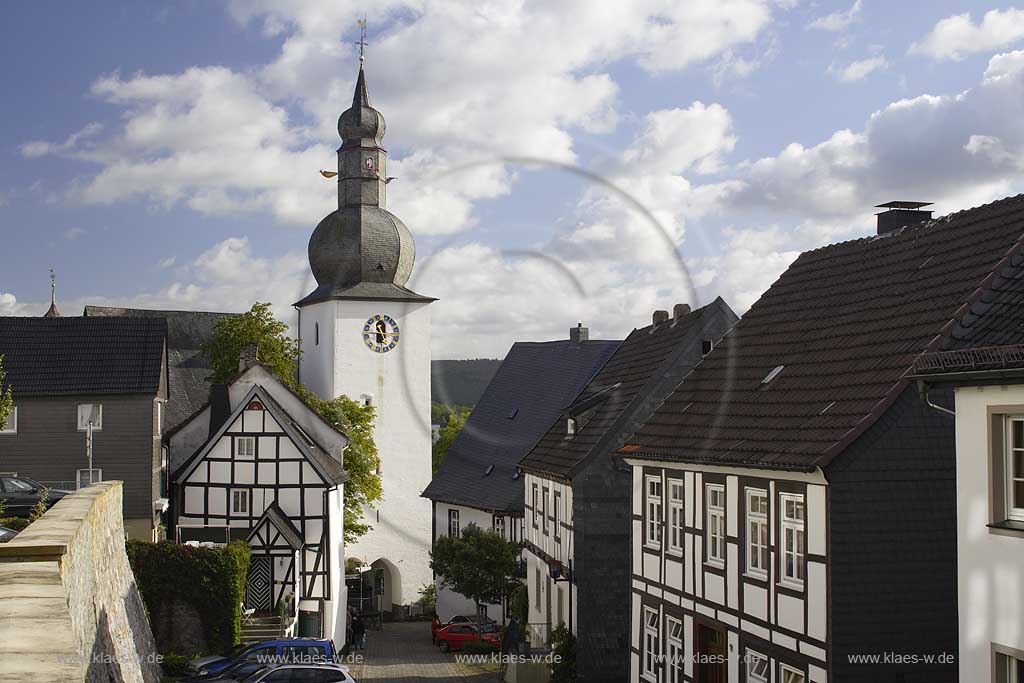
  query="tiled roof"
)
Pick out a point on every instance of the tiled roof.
point(844, 323)
point(188, 367)
point(78, 356)
point(625, 386)
point(534, 383)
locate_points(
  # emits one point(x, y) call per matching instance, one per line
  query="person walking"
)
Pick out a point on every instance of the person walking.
point(358, 634)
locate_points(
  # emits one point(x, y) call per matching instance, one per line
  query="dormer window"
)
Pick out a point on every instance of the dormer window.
point(570, 426)
point(706, 346)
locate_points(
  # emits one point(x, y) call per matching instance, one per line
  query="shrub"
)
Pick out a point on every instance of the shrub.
point(41, 506)
point(210, 580)
point(14, 523)
point(563, 664)
point(176, 665)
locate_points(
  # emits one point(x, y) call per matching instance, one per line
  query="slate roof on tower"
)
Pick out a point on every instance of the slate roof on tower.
point(622, 388)
point(828, 348)
point(534, 383)
point(188, 367)
point(76, 356)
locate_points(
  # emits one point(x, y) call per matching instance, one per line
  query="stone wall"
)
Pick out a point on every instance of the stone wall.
point(69, 606)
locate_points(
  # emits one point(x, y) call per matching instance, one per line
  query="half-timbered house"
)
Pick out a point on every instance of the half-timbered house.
point(793, 501)
point(258, 464)
point(577, 503)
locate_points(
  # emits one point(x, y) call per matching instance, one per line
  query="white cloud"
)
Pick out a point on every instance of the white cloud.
point(858, 70)
point(674, 140)
point(957, 36)
point(9, 305)
point(166, 262)
point(38, 148)
point(74, 233)
point(837, 21)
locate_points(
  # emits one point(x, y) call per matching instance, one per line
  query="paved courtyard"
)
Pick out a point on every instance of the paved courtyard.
point(402, 653)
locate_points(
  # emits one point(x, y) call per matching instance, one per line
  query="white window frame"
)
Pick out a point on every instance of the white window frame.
point(651, 652)
point(676, 521)
point(715, 525)
point(536, 502)
point(538, 588)
point(788, 674)
point(159, 418)
point(12, 422)
point(498, 524)
point(231, 503)
point(754, 658)
point(1013, 512)
point(238, 447)
point(454, 528)
point(83, 417)
point(544, 493)
point(674, 664)
point(653, 490)
point(95, 476)
point(570, 427)
point(792, 528)
point(757, 536)
point(556, 504)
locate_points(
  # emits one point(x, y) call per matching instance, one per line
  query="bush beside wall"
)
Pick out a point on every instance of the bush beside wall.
point(182, 585)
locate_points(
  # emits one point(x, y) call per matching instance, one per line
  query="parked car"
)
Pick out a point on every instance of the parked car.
point(301, 673)
point(467, 619)
point(7, 534)
point(21, 494)
point(455, 636)
point(270, 652)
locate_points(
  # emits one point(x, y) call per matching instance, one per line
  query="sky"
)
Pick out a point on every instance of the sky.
point(555, 161)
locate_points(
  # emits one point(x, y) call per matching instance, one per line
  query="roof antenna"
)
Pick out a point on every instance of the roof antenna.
point(362, 40)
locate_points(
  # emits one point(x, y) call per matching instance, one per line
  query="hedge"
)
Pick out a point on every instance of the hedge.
point(15, 523)
point(210, 580)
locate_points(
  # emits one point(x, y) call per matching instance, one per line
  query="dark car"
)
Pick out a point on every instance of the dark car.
point(21, 494)
point(282, 650)
point(236, 672)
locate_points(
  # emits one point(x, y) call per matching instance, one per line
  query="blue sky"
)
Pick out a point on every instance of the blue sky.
point(168, 156)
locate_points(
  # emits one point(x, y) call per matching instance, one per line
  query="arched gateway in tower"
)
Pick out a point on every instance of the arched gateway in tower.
point(366, 335)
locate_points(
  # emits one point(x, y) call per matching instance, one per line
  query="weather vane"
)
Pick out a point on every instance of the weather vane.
point(362, 40)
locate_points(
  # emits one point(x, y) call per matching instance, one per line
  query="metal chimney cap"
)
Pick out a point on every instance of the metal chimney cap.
point(902, 205)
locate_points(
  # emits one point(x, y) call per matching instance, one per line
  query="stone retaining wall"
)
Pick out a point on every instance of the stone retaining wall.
point(69, 606)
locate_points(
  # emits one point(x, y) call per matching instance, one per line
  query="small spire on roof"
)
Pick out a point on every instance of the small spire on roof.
point(362, 40)
point(52, 312)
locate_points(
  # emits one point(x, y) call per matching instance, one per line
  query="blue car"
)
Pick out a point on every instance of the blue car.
point(281, 651)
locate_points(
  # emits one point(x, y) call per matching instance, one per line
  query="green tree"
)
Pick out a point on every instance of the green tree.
point(438, 452)
point(280, 354)
point(563, 664)
point(478, 563)
point(258, 326)
point(6, 398)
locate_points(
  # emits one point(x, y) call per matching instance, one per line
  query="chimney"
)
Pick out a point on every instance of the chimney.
point(249, 357)
point(578, 334)
point(660, 317)
point(680, 311)
point(900, 214)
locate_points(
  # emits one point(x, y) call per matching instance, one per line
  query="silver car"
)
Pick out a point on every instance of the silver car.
point(301, 673)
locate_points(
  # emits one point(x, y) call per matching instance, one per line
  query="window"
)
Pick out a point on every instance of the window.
point(757, 533)
point(90, 412)
point(88, 477)
point(11, 427)
point(499, 525)
point(674, 637)
point(675, 517)
point(706, 346)
point(245, 447)
point(716, 524)
point(544, 509)
point(570, 426)
point(239, 501)
point(367, 400)
point(316, 334)
point(453, 523)
point(788, 674)
point(533, 492)
point(757, 667)
point(536, 587)
point(159, 418)
point(792, 537)
point(652, 647)
point(558, 508)
point(1009, 669)
point(1014, 469)
point(653, 535)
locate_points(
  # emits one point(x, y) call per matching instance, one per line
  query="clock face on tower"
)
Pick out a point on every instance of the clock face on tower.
point(380, 333)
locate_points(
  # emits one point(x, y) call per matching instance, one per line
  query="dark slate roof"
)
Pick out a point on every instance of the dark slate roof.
point(188, 367)
point(644, 369)
point(533, 385)
point(77, 356)
point(845, 323)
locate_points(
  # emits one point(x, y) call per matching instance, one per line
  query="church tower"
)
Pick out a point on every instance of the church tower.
point(367, 336)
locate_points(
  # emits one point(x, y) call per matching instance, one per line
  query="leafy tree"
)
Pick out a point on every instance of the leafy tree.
point(441, 412)
point(563, 664)
point(438, 452)
point(479, 564)
point(235, 333)
point(6, 399)
point(280, 354)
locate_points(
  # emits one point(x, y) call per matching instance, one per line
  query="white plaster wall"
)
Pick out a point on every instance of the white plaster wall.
point(399, 382)
point(334, 609)
point(990, 571)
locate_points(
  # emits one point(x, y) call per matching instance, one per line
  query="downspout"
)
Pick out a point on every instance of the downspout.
point(922, 390)
point(298, 341)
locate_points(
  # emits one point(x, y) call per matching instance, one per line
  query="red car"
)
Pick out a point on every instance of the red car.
point(455, 637)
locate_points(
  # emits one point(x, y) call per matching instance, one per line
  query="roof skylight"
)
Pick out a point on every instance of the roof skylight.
point(773, 374)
